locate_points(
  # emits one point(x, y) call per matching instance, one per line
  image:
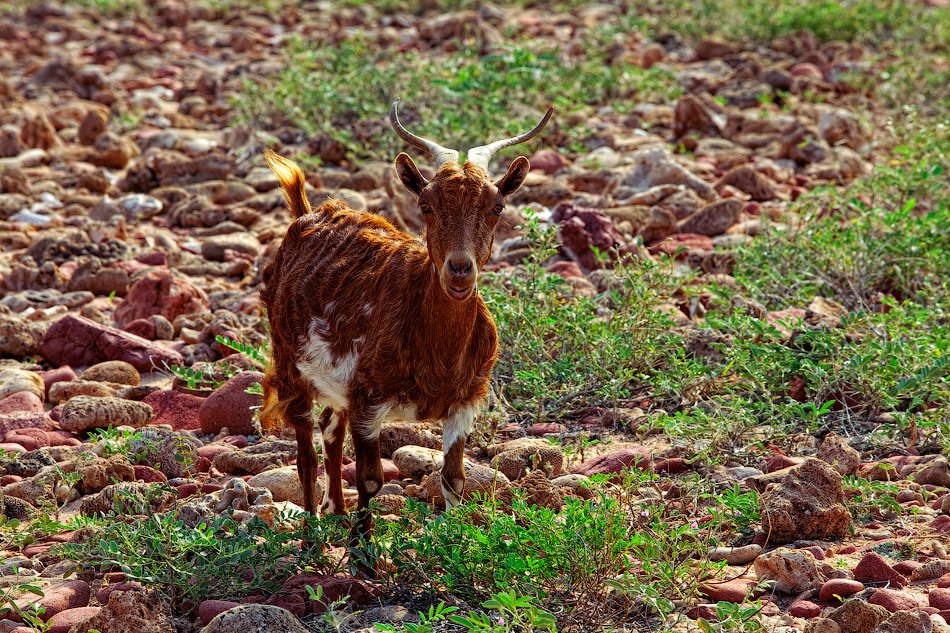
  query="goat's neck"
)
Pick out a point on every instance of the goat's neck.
point(447, 323)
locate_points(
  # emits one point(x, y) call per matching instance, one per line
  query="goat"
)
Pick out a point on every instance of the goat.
point(374, 323)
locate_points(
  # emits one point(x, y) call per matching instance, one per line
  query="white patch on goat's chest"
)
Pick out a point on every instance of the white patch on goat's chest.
point(330, 375)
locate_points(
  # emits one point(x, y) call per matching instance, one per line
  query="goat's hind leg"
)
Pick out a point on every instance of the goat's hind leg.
point(332, 433)
point(299, 414)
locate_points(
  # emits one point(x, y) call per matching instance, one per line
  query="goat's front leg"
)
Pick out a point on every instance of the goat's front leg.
point(455, 431)
point(332, 433)
point(365, 424)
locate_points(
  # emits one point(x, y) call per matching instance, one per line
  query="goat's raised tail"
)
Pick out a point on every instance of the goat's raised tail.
point(292, 183)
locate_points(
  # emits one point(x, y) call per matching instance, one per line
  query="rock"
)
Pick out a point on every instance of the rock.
point(10, 141)
point(478, 478)
point(582, 229)
point(615, 461)
point(713, 48)
point(692, 114)
point(16, 509)
point(64, 391)
point(839, 126)
point(713, 219)
point(939, 598)
point(214, 248)
point(546, 161)
point(822, 625)
point(935, 471)
point(93, 125)
point(18, 380)
point(804, 609)
point(114, 371)
point(858, 616)
point(655, 166)
point(64, 621)
point(835, 450)
point(793, 570)
point(415, 462)
point(84, 413)
point(128, 498)
point(808, 503)
point(337, 587)
point(907, 622)
point(244, 503)
point(78, 341)
point(536, 489)
point(825, 313)
point(161, 292)
point(112, 151)
point(841, 587)
point(255, 618)
point(894, 600)
point(19, 337)
point(735, 555)
point(395, 435)
point(574, 485)
point(132, 611)
point(256, 459)
point(175, 408)
point(71, 594)
point(284, 484)
point(99, 473)
point(27, 465)
point(874, 569)
point(38, 132)
point(231, 407)
point(209, 609)
point(516, 457)
point(736, 590)
point(21, 402)
point(174, 454)
point(746, 179)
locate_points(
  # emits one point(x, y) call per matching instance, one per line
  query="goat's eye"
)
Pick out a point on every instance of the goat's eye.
point(498, 210)
point(426, 209)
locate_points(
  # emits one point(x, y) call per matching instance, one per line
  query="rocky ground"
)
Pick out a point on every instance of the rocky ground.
point(136, 215)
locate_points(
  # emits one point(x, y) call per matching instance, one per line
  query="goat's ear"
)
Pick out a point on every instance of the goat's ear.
point(514, 178)
point(409, 174)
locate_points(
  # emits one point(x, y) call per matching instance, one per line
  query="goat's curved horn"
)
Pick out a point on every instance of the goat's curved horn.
point(482, 154)
point(442, 155)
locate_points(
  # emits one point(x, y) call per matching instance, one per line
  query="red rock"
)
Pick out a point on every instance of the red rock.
point(295, 603)
point(816, 551)
point(21, 401)
point(806, 70)
point(543, 428)
point(804, 609)
point(10, 479)
point(60, 374)
point(778, 462)
point(76, 340)
point(679, 244)
point(782, 320)
point(62, 438)
point(842, 587)
point(582, 228)
point(155, 258)
point(672, 466)
point(30, 439)
point(210, 451)
point(944, 581)
point(149, 475)
point(894, 600)
point(208, 609)
point(160, 291)
point(939, 598)
point(231, 406)
point(175, 408)
point(547, 161)
point(730, 591)
point(63, 621)
point(874, 569)
point(187, 490)
point(125, 585)
point(941, 523)
point(141, 327)
point(705, 611)
point(390, 472)
point(847, 549)
point(334, 588)
point(71, 594)
point(906, 567)
point(15, 421)
point(11, 447)
point(566, 269)
point(615, 461)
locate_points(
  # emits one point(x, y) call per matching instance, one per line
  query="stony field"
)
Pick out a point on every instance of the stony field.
point(722, 402)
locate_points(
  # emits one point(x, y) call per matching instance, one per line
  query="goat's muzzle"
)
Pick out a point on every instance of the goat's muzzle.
point(459, 276)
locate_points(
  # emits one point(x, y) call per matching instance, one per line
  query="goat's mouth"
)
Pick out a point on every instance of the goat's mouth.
point(460, 293)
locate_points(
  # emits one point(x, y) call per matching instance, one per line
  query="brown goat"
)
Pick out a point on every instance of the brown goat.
point(375, 324)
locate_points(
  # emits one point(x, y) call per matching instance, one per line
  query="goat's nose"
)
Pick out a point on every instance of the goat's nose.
point(461, 266)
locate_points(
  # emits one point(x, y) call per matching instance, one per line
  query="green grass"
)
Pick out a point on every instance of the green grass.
point(465, 99)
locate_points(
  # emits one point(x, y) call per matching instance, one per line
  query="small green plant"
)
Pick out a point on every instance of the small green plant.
point(32, 613)
point(510, 613)
point(436, 613)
